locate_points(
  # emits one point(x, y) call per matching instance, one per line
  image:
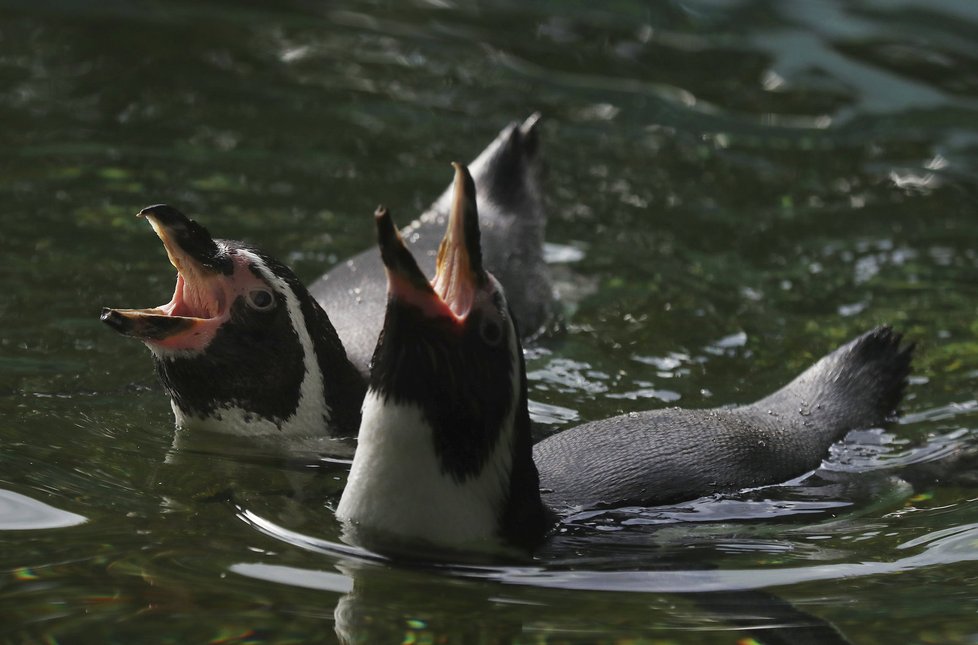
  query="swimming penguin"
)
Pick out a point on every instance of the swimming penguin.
point(444, 459)
point(243, 348)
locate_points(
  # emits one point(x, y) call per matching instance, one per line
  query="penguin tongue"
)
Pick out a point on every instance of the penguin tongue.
point(459, 273)
point(200, 300)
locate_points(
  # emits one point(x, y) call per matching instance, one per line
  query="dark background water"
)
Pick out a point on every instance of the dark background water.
point(735, 187)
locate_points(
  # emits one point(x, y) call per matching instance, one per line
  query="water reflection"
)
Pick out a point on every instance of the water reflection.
point(383, 603)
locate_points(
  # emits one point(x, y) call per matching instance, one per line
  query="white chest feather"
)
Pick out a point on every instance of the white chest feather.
point(218, 432)
point(231, 419)
point(397, 487)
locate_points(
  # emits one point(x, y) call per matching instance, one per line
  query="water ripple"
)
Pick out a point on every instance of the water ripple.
point(939, 548)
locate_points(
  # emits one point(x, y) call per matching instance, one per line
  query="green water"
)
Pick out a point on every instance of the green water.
point(735, 188)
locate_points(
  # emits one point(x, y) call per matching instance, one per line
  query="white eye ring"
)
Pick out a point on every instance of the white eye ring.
point(261, 299)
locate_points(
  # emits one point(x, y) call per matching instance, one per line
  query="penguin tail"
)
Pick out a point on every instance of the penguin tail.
point(859, 385)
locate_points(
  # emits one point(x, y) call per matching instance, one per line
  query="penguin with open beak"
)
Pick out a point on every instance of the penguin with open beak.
point(443, 455)
point(242, 347)
point(445, 465)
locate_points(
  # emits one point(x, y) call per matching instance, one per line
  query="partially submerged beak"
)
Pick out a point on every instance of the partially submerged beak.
point(199, 300)
point(459, 273)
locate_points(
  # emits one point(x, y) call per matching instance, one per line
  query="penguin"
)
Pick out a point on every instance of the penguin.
point(243, 348)
point(445, 464)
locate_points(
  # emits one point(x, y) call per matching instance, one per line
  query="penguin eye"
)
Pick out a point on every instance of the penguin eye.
point(491, 332)
point(261, 299)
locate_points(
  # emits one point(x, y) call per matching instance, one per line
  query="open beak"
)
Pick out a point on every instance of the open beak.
point(200, 301)
point(459, 273)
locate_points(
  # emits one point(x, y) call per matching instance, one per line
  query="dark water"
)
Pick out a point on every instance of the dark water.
point(736, 187)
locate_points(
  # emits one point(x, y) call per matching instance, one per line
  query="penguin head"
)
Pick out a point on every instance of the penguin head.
point(449, 346)
point(241, 347)
point(443, 455)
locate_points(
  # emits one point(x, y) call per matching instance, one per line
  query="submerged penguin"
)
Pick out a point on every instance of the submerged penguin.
point(243, 348)
point(444, 459)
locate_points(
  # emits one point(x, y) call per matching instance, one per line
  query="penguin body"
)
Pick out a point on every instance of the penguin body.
point(446, 462)
point(672, 455)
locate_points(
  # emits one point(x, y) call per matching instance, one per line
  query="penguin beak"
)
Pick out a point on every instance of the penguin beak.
point(459, 273)
point(189, 245)
point(200, 299)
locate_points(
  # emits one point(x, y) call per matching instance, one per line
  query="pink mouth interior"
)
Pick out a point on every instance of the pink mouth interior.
point(452, 284)
point(195, 299)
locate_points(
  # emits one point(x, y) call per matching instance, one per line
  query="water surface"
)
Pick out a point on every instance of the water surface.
point(735, 188)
